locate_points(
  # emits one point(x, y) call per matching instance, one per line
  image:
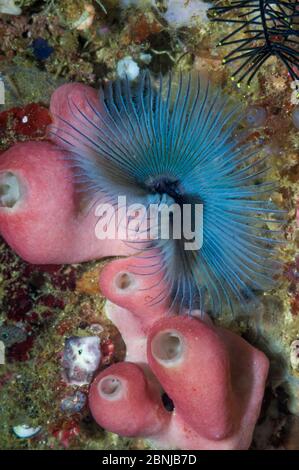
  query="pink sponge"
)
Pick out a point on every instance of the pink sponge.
point(215, 379)
point(67, 102)
point(41, 217)
point(123, 400)
point(135, 292)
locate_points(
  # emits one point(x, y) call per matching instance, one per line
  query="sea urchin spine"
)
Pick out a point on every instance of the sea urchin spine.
point(264, 28)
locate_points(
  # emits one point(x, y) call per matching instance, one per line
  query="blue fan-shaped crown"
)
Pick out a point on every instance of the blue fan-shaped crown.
point(174, 141)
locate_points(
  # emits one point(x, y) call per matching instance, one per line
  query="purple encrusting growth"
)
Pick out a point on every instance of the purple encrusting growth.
point(73, 403)
point(176, 143)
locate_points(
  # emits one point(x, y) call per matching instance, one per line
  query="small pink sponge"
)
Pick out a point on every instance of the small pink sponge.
point(215, 379)
point(123, 400)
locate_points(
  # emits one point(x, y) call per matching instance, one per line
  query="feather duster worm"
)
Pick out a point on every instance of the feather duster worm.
point(174, 143)
point(263, 28)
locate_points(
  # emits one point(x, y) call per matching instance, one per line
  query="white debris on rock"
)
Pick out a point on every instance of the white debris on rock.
point(23, 431)
point(86, 19)
point(127, 68)
point(186, 12)
point(178, 12)
point(145, 58)
point(81, 358)
point(8, 7)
